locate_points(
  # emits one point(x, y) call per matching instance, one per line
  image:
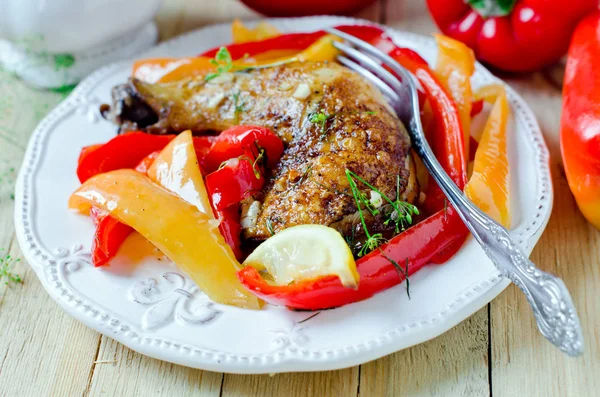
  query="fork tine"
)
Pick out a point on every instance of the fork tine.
point(407, 104)
point(383, 87)
point(377, 53)
point(370, 64)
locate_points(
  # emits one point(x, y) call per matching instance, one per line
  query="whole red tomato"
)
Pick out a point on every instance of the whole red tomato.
point(291, 8)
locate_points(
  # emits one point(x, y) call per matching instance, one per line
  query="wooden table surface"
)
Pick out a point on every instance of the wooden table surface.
point(498, 351)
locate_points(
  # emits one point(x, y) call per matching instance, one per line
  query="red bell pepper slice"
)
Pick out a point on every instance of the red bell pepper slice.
point(127, 151)
point(147, 162)
point(230, 228)
point(417, 245)
point(234, 141)
point(477, 107)
point(123, 151)
point(108, 238)
point(300, 41)
point(449, 143)
point(234, 181)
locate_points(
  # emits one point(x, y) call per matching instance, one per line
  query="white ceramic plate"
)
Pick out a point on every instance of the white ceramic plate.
point(154, 309)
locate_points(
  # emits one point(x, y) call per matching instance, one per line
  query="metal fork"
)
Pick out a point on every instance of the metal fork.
point(549, 298)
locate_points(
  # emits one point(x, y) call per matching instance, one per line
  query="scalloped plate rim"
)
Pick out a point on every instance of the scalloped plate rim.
point(286, 360)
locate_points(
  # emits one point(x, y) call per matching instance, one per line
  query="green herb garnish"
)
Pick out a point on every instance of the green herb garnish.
point(222, 61)
point(321, 120)
point(6, 263)
point(238, 107)
point(401, 213)
point(270, 226)
point(375, 240)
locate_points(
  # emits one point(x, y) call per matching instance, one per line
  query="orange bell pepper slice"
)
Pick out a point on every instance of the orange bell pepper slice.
point(455, 66)
point(189, 237)
point(243, 34)
point(489, 186)
point(164, 70)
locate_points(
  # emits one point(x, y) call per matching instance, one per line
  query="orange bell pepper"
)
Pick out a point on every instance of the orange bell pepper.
point(242, 34)
point(189, 237)
point(488, 187)
point(455, 66)
point(580, 122)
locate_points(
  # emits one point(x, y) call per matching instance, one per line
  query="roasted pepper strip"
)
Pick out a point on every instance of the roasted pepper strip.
point(579, 131)
point(110, 234)
point(455, 66)
point(418, 245)
point(127, 151)
point(233, 142)
point(190, 238)
point(294, 46)
point(448, 144)
point(488, 187)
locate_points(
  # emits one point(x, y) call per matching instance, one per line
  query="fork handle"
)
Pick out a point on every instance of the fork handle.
point(548, 296)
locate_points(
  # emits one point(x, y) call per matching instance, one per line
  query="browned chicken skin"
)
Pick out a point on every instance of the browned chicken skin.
point(329, 118)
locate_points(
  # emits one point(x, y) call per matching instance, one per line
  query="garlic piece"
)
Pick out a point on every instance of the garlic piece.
point(302, 91)
point(250, 215)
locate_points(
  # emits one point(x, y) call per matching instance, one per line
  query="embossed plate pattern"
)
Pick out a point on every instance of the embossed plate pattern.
point(154, 309)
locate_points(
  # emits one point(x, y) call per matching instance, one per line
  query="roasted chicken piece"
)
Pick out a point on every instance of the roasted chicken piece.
point(329, 118)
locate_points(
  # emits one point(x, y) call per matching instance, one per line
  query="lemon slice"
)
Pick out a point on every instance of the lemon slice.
point(305, 252)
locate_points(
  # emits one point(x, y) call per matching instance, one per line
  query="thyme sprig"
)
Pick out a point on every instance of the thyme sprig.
point(238, 107)
point(373, 240)
point(402, 212)
point(401, 215)
point(6, 263)
point(224, 63)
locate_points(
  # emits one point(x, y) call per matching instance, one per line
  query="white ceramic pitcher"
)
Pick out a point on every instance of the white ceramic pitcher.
point(54, 43)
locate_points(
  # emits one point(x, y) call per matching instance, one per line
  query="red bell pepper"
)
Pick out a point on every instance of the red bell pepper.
point(515, 36)
point(235, 180)
point(579, 126)
point(234, 141)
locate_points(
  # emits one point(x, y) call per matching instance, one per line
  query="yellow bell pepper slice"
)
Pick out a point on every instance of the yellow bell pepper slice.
point(190, 238)
point(243, 34)
point(489, 186)
point(165, 70)
point(455, 66)
point(176, 169)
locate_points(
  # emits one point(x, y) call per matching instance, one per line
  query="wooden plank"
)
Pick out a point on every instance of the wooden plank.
point(120, 371)
point(43, 351)
point(524, 363)
point(342, 383)
point(40, 345)
point(453, 364)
